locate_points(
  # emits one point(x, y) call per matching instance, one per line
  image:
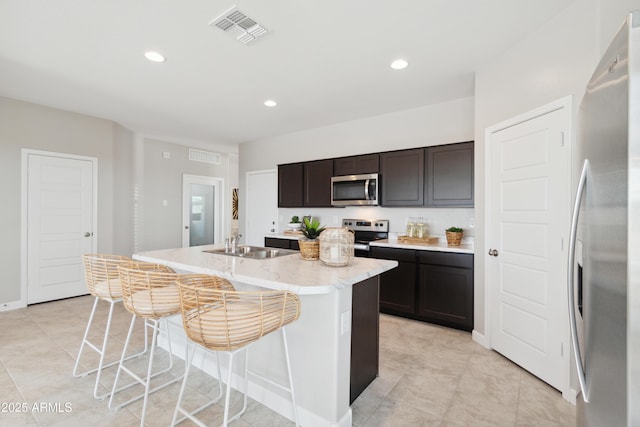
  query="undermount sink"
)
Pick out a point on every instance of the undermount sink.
point(257, 252)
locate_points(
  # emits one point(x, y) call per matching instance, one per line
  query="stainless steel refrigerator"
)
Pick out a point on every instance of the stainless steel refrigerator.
point(604, 255)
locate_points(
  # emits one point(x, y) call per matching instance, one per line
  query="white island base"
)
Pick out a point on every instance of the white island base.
point(320, 341)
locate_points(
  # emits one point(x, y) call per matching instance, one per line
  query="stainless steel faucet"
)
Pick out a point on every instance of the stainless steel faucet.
point(231, 243)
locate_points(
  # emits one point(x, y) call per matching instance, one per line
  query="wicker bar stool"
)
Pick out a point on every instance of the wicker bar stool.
point(103, 282)
point(149, 294)
point(226, 320)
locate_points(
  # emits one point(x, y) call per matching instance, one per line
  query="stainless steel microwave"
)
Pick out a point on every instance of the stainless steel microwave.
point(354, 190)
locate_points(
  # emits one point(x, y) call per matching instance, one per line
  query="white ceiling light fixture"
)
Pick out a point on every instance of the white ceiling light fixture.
point(399, 64)
point(270, 103)
point(154, 56)
point(239, 25)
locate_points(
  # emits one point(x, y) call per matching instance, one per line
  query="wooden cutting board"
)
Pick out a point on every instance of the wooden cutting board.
point(417, 241)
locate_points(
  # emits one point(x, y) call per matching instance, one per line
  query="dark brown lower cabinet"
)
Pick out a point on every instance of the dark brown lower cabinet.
point(445, 289)
point(364, 335)
point(397, 286)
point(275, 242)
point(432, 286)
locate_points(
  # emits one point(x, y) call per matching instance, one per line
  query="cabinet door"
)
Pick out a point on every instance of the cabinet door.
point(446, 295)
point(317, 183)
point(449, 179)
point(290, 185)
point(398, 285)
point(354, 165)
point(402, 177)
point(274, 242)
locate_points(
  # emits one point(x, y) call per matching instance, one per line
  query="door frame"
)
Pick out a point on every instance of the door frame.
point(24, 206)
point(248, 199)
point(566, 103)
point(218, 205)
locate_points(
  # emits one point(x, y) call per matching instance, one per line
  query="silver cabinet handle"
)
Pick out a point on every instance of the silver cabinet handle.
point(571, 277)
point(493, 252)
point(88, 234)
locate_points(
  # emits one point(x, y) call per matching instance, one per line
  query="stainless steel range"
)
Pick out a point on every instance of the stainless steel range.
point(366, 231)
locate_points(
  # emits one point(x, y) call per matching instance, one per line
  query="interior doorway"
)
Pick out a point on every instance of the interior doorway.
point(59, 194)
point(262, 205)
point(528, 207)
point(202, 210)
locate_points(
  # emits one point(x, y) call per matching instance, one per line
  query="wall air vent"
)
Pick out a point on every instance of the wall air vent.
point(239, 25)
point(204, 156)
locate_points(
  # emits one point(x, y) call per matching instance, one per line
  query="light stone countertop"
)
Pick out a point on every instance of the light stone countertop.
point(441, 246)
point(288, 272)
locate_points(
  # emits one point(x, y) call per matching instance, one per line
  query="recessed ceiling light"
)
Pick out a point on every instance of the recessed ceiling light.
point(270, 103)
point(154, 56)
point(399, 64)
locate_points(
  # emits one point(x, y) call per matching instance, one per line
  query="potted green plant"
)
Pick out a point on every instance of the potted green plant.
point(309, 244)
point(295, 223)
point(454, 236)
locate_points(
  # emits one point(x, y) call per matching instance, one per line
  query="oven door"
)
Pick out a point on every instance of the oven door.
point(355, 190)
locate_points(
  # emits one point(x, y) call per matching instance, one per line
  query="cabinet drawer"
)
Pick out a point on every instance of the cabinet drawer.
point(406, 255)
point(446, 258)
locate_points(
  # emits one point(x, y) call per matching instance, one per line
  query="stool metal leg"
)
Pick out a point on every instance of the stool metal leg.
point(179, 409)
point(155, 325)
point(102, 350)
point(293, 395)
point(227, 420)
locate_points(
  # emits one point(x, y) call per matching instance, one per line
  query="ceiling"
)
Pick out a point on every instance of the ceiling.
point(323, 61)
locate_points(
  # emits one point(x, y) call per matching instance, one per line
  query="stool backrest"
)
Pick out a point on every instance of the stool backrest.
point(221, 318)
point(141, 278)
point(102, 269)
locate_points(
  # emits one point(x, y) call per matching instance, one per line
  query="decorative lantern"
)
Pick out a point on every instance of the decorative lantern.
point(336, 246)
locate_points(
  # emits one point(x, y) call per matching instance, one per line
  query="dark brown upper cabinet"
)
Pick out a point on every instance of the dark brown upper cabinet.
point(403, 177)
point(290, 185)
point(355, 165)
point(317, 183)
point(449, 175)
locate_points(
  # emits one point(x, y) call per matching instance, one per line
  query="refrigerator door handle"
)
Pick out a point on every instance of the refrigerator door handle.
point(571, 279)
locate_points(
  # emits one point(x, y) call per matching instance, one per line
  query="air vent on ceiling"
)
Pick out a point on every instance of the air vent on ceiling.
point(204, 156)
point(239, 25)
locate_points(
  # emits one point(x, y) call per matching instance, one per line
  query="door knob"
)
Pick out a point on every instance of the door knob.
point(88, 234)
point(493, 252)
point(186, 227)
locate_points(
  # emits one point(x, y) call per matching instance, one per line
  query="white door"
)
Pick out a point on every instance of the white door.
point(202, 210)
point(60, 225)
point(262, 206)
point(529, 219)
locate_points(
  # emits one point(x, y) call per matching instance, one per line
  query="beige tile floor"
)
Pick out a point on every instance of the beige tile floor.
point(429, 375)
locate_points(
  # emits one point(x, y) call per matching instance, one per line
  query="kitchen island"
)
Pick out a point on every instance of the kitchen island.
point(339, 313)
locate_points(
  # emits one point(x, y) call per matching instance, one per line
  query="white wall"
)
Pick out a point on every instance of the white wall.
point(160, 179)
point(133, 179)
point(419, 127)
point(555, 61)
point(25, 125)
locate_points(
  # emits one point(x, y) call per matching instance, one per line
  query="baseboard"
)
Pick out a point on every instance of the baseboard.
point(13, 305)
point(570, 396)
point(480, 338)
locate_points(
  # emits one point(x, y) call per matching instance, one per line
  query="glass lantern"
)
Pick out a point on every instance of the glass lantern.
point(336, 246)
